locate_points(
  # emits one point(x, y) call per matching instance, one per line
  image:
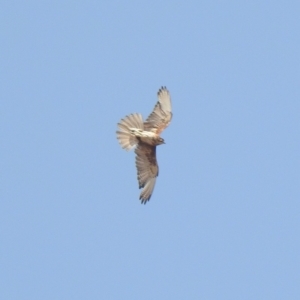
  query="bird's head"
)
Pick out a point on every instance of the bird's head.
point(160, 141)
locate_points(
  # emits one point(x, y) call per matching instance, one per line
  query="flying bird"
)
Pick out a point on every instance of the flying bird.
point(145, 136)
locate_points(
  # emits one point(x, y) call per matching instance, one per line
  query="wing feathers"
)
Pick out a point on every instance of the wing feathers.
point(147, 191)
point(147, 169)
point(161, 115)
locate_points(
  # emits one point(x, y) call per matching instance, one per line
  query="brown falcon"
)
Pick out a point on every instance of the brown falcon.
point(146, 136)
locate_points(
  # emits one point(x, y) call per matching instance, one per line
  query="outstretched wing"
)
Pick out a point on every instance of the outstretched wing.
point(147, 169)
point(161, 116)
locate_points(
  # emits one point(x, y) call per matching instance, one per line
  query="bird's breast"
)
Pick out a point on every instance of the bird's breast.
point(149, 138)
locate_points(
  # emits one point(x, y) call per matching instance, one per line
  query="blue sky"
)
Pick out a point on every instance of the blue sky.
point(224, 219)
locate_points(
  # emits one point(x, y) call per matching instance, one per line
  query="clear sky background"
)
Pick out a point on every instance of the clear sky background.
point(224, 219)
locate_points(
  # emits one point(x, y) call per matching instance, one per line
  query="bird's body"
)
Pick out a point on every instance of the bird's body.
point(145, 136)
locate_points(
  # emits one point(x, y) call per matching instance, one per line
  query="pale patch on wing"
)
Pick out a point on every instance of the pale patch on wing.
point(147, 169)
point(161, 115)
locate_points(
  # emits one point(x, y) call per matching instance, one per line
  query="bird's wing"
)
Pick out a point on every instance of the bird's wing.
point(147, 169)
point(161, 115)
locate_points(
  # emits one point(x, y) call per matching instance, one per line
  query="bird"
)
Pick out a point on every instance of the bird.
point(144, 136)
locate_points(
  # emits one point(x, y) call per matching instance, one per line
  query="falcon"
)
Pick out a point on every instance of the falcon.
point(133, 132)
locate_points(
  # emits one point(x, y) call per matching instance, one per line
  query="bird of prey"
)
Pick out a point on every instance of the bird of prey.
point(145, 136)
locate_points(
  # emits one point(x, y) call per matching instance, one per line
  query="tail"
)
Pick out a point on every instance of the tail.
point(124, 135)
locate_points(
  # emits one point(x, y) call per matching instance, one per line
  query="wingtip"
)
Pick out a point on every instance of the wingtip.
point(163, 88)
point(145, 200)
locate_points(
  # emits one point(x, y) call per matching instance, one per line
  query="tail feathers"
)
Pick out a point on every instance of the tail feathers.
point(126, 139)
